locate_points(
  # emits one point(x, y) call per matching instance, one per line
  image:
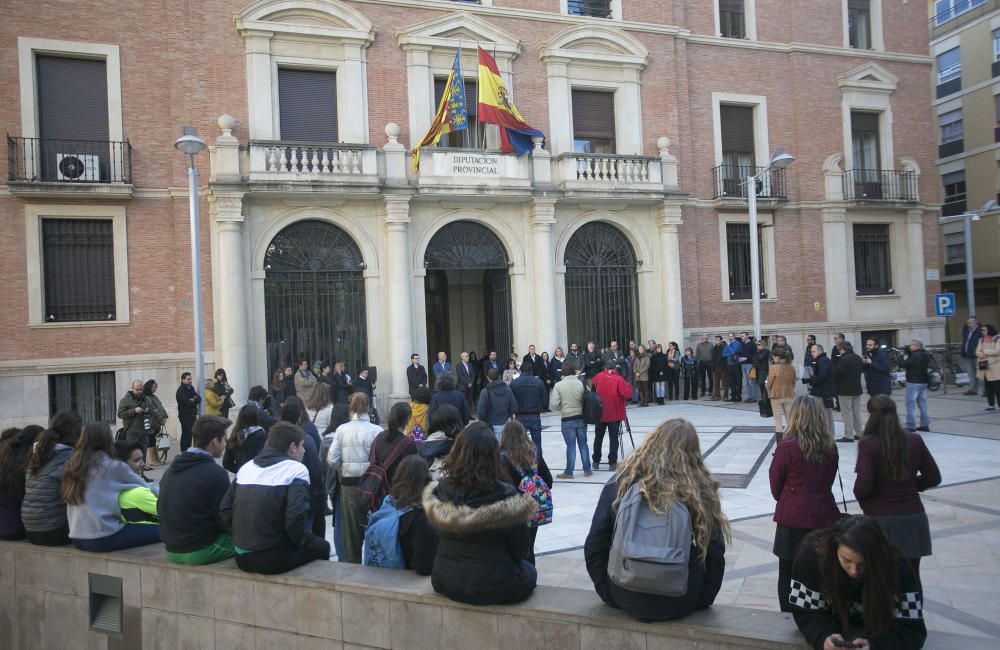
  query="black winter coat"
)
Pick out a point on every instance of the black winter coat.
point(418, 541)
point(453, 397)
point(483, 539)
point(917, 366)
point(847, 374)
point(254, 440)
point(877, 378)
point(187, 401)
point(658, 366)
point(704, 580)
point(821, 384)
point(496, 403)
point(191, 491)
point(593, 363)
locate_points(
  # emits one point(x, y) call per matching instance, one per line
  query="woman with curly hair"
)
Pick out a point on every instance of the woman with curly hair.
point(802, 472)
point(482, 525)
point(667, 467)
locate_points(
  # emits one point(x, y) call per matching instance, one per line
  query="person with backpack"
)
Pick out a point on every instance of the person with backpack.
point(246, 440)
point(850, 578)
point(568, 398)
point(528, 472)
point(267, 507)
point(662, 498)
point(349, 455)
point(497, 403)
point(43, 511)
point(444, 426)
point(398, 535)
point(389, 447)
point(91, 483)
point(613, 391)
point(482, 525)
point(420, 400)
point(15, 446)
point(802, 471)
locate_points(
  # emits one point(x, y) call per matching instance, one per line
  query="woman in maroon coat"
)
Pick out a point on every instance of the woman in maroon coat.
point(802, 472)
point(893, 468)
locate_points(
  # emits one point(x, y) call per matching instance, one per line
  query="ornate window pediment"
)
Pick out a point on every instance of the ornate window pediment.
point(446, 32)
point(328, 19)
point(596, 43)
point(868, 78)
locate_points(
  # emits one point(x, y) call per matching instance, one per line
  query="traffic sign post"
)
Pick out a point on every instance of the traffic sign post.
point(944, 305)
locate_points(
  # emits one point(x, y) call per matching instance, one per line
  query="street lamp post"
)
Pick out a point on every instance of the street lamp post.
point(191, 145)
point(779, 160)
point(967, 219)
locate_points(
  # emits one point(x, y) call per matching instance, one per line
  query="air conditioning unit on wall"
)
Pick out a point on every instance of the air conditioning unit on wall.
point(77, 167)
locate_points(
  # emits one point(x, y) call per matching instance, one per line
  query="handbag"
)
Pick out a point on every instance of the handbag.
point(753, 373)
point(984, 364)
point(828, 402)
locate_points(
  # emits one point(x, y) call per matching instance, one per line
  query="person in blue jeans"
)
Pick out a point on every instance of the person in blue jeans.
point(91, 483)
point(917, 366)
point(531, 399)
point(567, 398)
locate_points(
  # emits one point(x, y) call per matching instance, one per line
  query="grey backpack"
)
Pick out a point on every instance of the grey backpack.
point(650, 553)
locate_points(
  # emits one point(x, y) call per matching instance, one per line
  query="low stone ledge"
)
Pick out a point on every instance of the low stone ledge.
point(43, 604)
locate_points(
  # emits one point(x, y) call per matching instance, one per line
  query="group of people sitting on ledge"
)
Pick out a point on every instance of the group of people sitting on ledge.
point(466, 511)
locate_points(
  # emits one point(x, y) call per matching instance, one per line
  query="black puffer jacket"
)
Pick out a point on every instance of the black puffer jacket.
point(483, 539)
point(268, 504)
point(43, 509)
point(917, 367)
point(704, 580)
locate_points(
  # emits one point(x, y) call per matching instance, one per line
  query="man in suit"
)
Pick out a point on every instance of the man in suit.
point(416, 374)
point(576, 356)
point(615, 355)
point(465, 376)
point(533, 359)
point(442, 366)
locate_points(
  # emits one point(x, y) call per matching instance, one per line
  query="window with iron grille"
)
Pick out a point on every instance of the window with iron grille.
point(954, 193)
point(872, 263)
point(732, 19)
point(881, 337)
point(472, 137)
point(593, 8)
point(593, 121)
point(307, 105)
point(90, 394)
point(859, 28)
point(78, 266)
point(738, 254)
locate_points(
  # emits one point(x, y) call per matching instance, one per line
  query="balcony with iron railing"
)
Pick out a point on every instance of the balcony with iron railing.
point(961, 13)
point(880, 185)
point(729, 183)
point(48, 166)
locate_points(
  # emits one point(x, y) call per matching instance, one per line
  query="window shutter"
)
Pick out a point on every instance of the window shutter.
point(72, 98)
point(471, 98)
point(864, 122)
point(79, 269)
point(307, 101)
point(737, 129)
point(593, 115)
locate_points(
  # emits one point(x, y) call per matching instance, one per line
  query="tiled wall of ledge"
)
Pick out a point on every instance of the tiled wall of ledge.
point(332, 606)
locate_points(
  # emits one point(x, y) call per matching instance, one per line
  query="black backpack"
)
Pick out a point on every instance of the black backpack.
point(592, 407)
point(374, 485)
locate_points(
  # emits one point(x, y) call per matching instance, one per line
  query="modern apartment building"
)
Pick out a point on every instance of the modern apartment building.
point(629, 221)
point(965, 42)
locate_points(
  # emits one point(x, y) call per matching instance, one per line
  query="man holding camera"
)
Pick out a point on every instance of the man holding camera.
point(136, 415)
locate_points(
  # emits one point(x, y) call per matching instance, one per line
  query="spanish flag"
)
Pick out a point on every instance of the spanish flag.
point(495, 107)
point(451, 113)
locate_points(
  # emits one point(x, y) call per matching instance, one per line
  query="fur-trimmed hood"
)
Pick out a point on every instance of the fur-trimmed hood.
point(500, 510)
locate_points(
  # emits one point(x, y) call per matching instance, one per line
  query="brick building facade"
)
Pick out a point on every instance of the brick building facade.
point(629, 220)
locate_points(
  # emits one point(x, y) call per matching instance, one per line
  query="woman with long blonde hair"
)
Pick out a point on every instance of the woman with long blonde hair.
point(667, 466)
point(802, 472)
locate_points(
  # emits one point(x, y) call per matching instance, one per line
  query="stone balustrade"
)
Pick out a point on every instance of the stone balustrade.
point(291, 161)
point(45, 603)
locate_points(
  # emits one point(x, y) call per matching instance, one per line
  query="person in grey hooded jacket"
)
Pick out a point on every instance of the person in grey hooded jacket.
point(43, 511)
point(497, 403)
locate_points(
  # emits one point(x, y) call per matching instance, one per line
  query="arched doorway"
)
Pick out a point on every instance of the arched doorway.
point(314, 297)
point(467, 291)
point(602, 286)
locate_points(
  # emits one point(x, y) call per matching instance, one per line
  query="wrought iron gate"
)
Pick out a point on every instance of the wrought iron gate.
point(314, 297)
point(602, 286)
point(464, 246)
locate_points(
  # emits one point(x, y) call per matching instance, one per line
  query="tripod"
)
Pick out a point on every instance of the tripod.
point(621, 435)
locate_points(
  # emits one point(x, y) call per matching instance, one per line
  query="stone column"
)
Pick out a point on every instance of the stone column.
point(258, 51)
point(398, 291)
point(352, 86)
point(672, 317)
point(916, 301)
point(227, 215)
point(560, 105)
point(419, 76)
point(838, 286)
point(543, 218)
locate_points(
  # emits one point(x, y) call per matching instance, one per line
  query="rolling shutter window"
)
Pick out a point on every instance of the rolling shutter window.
point(593, 115)
point(307, 101)
point(737, 129)
point(72, 98)
point(468, 138)
point(78, 269)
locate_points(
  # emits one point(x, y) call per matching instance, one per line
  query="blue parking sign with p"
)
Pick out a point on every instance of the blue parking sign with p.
point(944, 304)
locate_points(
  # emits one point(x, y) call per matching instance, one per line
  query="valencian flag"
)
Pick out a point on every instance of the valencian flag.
point(451, 114)
point(495, 107)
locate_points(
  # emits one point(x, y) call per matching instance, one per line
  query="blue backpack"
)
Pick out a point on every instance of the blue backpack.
point(382, 547)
